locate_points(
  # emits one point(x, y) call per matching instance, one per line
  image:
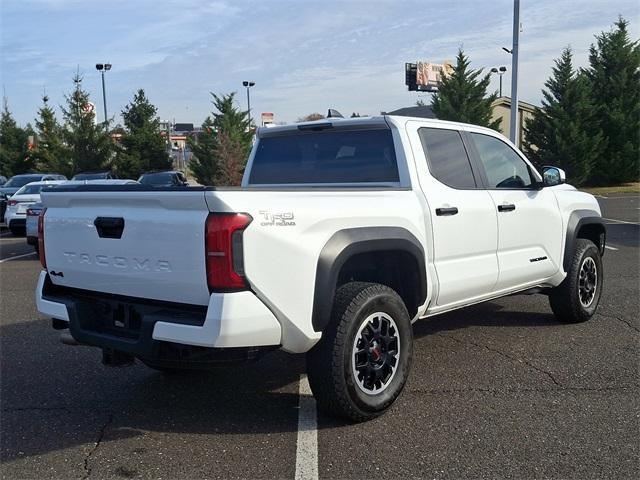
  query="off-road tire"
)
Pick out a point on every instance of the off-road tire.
point(565, 298)
point(329, 363)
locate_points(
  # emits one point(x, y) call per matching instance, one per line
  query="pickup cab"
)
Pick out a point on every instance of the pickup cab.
point(343, 233)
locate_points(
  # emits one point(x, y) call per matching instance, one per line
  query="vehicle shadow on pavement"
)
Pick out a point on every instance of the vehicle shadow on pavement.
point(55, 397)
point(488, 314)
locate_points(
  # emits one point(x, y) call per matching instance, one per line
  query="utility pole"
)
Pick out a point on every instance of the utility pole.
point(513, 127)
point(500, 71)
point(104, 67)
point(248, 84)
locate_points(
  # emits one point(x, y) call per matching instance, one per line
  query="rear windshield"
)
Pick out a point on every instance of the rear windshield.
point(156, 179)
point(348, 156)
point(91, 176)
point(21, 180)
point(30, 190)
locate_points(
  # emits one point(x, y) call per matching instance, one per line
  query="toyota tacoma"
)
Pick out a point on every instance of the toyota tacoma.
point(343, 233)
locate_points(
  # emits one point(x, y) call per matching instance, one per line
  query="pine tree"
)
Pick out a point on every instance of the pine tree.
point(561, 132)
point(311, 117)
point(204, 164)
point(143, 146)
point(462, 96)
point(90, 144)
point(232, 157)
point(207, 166)
point(51, 154)
point(614, 75)
point(14, 152)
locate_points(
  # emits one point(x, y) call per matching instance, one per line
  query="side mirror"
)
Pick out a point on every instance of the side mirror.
point(552, 176)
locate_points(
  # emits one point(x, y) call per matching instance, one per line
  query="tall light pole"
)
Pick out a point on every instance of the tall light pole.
point(500, 71)
point(513, 126)
point(104, 67)
point(247, 84)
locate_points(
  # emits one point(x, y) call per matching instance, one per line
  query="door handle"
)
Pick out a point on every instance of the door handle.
point(446, 211)
point(506, 208)
point(109, 227)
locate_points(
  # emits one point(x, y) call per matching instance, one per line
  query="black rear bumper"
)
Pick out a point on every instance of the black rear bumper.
point(125, 324)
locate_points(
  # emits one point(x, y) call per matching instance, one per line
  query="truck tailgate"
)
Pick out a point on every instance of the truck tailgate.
point(144, 244)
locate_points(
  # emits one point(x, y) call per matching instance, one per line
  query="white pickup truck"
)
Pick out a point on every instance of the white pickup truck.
point(344, 232)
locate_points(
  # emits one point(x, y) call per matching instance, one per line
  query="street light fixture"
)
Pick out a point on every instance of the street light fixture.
point(104, 67)
point(248, 84)
point(500, 71)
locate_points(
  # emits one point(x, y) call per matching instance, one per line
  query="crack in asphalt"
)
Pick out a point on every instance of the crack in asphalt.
point(615, 317)
point(501, 353)
point(525, 390)
point(87, 468)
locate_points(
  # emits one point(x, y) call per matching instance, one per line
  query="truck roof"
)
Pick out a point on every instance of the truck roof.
point(363, 122)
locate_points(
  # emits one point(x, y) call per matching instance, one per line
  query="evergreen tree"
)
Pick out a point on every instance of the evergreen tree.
point(204, 164)
point(143, 146)
point(51, 154)
point(462, 96)
point(90, 144)
point(232, 157)
point(614, 74)
point(561, 132)
point(311, 117)
point(207, 165)
point(14, 151)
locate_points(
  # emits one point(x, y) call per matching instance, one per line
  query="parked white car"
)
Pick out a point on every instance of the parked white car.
point(344, 232)
point(16, 213)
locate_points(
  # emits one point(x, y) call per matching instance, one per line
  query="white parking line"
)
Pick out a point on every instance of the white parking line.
point(609, 247)
point(17, 256)
point(307, 446)
point(620, 221)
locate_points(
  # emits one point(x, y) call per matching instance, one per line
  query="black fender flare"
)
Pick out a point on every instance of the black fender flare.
point(346, 243)
point(577, 220)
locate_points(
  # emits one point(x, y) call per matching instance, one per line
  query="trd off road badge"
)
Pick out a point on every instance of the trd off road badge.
point(281, 219)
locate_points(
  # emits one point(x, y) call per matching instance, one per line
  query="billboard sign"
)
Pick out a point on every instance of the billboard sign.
point(426, 76)
point(266, 118)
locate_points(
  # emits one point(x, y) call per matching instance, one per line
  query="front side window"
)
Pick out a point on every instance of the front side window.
point(503, 166)
point(447, 157)
point(332, 156)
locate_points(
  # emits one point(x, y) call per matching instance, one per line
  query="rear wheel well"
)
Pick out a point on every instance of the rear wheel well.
point(397, 269)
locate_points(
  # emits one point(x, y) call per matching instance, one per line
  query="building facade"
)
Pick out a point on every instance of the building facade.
point(502, 111)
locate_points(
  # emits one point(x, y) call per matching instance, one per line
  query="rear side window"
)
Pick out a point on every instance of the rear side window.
point(447, 157)
point(347, 156)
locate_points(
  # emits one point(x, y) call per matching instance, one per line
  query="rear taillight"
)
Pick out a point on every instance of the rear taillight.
point(43, 259)
point(223, 249)
point(12, 203)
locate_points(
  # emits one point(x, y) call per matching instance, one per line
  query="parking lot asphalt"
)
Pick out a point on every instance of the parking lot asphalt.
point(498, 390)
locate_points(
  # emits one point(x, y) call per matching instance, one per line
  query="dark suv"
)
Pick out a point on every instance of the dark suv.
point(172, 178)
point(95, 175)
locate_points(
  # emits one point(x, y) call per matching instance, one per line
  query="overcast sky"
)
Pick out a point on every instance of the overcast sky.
point(304, 56)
